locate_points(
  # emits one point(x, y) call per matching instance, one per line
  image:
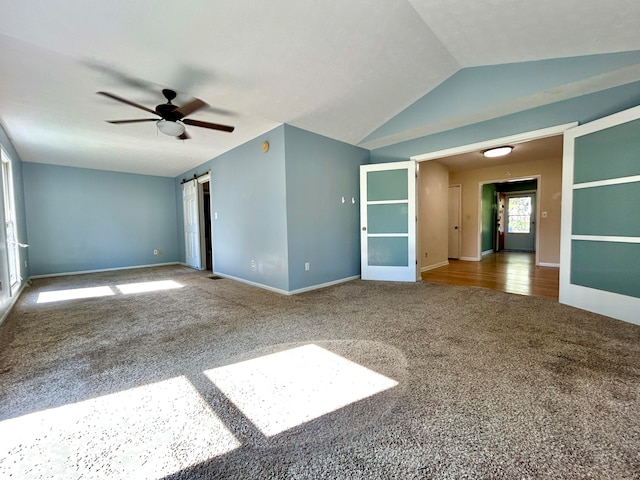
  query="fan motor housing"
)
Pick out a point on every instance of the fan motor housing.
point(167, 111)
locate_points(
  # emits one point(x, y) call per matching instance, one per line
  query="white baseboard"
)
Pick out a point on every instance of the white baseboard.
point(547, 264)
point(470, 259)
point(82, 272)
point(436, 265)
point(285, 292)
point(323, 285)
point(487, 252)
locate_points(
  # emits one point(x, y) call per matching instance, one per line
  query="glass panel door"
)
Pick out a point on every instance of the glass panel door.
point(387, 216)
point(600, 238)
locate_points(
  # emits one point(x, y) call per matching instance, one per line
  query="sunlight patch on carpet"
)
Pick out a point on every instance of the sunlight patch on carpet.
point(145, 432)
point(283, 390)
point(74, 294)
point(143, 287)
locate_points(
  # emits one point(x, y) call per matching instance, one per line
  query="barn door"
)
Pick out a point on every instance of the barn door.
point(191, 208)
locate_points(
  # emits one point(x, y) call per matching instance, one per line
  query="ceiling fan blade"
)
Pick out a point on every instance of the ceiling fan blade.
point(133, 121)
point(212, 126)
point(128, 102)
point(190, 107)
point(184, 136)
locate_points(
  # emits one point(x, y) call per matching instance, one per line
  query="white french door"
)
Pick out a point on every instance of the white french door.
point(191, 209)
point(600, 235)
point(388, 221)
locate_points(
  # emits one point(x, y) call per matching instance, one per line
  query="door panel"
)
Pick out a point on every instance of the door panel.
point(600, 241)
point(191, 211)
point(388, 221)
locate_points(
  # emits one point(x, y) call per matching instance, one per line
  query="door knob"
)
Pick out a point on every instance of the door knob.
point(364, 229)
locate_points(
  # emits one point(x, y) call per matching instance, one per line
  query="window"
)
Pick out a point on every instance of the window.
point(519, 212)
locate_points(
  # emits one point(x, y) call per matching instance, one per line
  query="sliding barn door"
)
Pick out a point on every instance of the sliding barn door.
point(191, 209)
point(600, 239)
point(388, 221)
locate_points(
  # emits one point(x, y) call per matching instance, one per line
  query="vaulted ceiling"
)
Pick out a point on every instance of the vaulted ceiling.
point(362, 72)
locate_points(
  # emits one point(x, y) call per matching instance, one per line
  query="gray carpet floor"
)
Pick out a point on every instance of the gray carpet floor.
point(218, 379)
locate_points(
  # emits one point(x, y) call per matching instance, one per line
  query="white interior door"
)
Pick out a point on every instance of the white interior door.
point(454, 221)
point(191, 208)
point(388, 221)
point(600, 234)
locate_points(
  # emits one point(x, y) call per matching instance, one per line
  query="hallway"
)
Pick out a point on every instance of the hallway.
point(511, 272)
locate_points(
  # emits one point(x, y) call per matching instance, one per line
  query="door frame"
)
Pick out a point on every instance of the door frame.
point(538, 178)
point(495, 142)
point(526, 193)
point(203, 254)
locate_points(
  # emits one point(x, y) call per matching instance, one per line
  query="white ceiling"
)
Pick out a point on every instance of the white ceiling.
point(336, 68)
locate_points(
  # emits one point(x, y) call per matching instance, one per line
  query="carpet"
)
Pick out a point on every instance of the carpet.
point(161, 373)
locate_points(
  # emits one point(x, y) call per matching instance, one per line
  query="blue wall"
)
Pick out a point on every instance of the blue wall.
point(582, 109)
point(248, 193)
point(321, 229)
point(472, 92)
point(81, 219)
point(283, 208)
point(16, 167)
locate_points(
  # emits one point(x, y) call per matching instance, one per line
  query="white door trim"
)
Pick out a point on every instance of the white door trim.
point(517, 138)
point(510, 139)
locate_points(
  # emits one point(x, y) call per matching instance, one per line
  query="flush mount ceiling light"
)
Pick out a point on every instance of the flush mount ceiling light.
point(168, 127)
point(498, 152)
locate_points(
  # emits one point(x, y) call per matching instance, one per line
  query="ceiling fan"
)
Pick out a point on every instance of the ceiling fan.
point(172, 121)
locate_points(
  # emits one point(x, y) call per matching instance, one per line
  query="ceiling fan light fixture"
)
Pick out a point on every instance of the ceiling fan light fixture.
point(173, 129)
point(498, 151)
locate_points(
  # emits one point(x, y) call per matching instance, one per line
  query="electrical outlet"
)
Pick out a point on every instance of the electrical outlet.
point(157, 252)
point(306, 266)
point(425, 254)
point(253, 264)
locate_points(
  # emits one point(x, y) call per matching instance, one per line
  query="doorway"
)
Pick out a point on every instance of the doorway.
point(205, 218)
point(198, 230)
point(519, 234)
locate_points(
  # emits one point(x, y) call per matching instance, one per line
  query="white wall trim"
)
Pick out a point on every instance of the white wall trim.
point(82, 272)
point(517, 138)
point(487, 252)
point(285, 292)
point(547, 264)
point(434, 266)
point(470, 259)
point(205, 177)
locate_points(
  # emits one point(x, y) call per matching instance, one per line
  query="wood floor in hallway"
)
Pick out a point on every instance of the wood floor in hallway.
point(512, 272)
